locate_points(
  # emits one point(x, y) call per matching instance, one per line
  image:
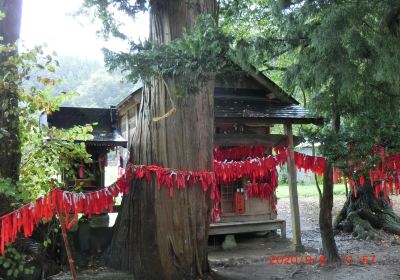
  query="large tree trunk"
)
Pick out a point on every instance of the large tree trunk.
point(157, 237)
point(10, 154)
point(365, 214)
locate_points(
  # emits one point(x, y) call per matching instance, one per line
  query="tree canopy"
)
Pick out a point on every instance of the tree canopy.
point(342, 53)
point(341, 57)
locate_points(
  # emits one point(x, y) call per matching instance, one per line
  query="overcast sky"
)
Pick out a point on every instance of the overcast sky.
point(50, 22)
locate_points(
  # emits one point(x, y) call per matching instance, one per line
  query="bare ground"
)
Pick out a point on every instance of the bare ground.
point(252, 258)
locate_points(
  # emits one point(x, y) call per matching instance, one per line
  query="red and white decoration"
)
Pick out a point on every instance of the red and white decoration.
point(253, 169)
point(314, 164)
point(27, 217)
point(384, 176)
point(259, 169)
point(44, 208)
point(239, 153)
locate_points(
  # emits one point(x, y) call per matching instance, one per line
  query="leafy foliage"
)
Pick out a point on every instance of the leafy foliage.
point(342, 59)
point(46, 153)
point(106, 11)
point(253, 22)
point(193, 59)
point(184, 64)
point(340, 55)
point(14, 264)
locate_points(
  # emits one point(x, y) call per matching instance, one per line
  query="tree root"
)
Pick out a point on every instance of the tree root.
point(367, 217)
point(366, 224)
point(341, 215)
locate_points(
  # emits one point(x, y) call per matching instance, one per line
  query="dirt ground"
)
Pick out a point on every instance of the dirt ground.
point(251, 259)
point(253, 256)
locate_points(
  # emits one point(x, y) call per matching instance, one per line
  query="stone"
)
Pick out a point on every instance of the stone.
point(229, 242)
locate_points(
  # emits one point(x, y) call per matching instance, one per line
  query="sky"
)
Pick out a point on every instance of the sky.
point(50, 22)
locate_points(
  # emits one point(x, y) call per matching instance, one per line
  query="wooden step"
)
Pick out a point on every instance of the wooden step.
point(248, 226)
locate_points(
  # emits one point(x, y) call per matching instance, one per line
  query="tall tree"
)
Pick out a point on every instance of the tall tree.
point(280, 47)
point(343, 53)
point(345, 56)
point(157, 237)
point(10, 154)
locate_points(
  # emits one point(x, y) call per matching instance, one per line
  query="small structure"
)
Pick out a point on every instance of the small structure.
point(128, 111)
point(304, 177)
point(246, 108)
point(105, 137)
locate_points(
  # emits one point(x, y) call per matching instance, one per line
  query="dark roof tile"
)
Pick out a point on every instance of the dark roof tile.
point(104, 132)
point(243, 108)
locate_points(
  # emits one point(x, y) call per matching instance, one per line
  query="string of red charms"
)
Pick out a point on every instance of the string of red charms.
point(384, 176)
point(259, 169)
point(239, 153)
point(27, 217)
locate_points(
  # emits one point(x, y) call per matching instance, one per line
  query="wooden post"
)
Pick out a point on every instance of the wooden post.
point(127, 129)
point(294, 203)
point(66, 242)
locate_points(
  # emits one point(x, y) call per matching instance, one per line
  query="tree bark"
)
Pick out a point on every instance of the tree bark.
point(325, 208)
point(157, 237)
point(325, 218)
point(10, 26)
point(10, 155)
point(365, 214)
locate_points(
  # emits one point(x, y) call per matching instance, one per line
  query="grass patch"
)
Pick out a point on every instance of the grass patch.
point(307, 190)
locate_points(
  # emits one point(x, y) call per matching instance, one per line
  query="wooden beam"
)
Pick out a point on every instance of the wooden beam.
point(248, 226)
point(294, 202)
point(237, 139)
point(269, 121)
point(127, 128)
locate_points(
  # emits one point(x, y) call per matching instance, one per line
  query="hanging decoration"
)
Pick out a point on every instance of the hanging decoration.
point(253, 169)
point(239, 153)
point(337, 175)
point(262, 190)
point(315, 164)
point(383, 176)
point(258, 169)
point(30, 215)
point(179, 178)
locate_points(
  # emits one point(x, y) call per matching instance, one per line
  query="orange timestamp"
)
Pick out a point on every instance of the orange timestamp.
point(320, 259)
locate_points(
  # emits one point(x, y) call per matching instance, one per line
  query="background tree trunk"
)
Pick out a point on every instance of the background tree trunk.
point(325, 208)
point(10, 155)
point(329, 248)
point(157, 237)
